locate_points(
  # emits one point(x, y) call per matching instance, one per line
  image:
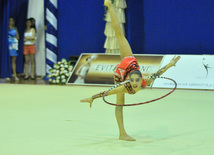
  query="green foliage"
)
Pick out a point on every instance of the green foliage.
point(60, 72)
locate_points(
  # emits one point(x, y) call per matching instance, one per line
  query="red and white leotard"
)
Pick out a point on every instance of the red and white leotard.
point(123, 69)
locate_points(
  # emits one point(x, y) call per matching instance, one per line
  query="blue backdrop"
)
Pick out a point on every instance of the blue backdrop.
point(153, 27)
point(179, 26)
point(17, 10)
point(5, 68)
point(80, 27)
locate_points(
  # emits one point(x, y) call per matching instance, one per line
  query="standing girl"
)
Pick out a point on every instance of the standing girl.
point(13, 37)
point(29, 48)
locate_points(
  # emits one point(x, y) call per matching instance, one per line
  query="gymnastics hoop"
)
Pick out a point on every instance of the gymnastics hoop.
point(141, 102)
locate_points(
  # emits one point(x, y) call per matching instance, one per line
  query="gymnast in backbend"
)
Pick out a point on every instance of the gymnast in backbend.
point(127, 70)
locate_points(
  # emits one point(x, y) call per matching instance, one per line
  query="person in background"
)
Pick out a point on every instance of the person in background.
point(33, 25)
point(13, 37)
point(30, 48)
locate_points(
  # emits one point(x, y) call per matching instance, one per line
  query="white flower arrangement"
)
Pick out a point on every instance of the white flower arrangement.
point(60, 72)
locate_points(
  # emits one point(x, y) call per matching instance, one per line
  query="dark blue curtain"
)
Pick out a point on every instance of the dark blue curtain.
point(134, 26)
point(17, 10)
point(179, 26)
point(152, 27)
point(80, 27)
point(5, 67)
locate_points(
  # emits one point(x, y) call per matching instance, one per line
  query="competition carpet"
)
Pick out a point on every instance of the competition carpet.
point(51, 120)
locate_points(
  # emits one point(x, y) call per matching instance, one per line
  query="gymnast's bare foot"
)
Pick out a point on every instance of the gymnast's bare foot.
point(126, 137)
point(107, 2)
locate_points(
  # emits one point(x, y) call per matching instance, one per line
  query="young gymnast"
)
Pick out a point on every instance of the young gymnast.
point(127, 70)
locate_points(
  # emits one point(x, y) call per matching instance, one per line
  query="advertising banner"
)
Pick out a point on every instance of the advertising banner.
point(191, 72)
point(99, 68)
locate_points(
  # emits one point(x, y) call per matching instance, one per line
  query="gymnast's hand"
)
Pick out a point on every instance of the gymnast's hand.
point(174, 60)
point(89, 100)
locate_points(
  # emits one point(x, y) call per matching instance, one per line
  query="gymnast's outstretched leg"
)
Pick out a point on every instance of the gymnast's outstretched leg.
point(119, 117)
point(125, 49)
